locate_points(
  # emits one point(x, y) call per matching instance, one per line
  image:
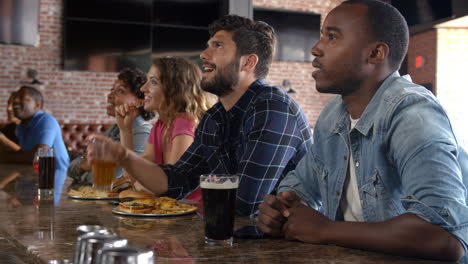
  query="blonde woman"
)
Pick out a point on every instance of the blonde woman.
point(173, 91)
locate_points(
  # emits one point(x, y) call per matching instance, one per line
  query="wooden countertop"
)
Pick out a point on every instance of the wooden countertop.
point(36, 231)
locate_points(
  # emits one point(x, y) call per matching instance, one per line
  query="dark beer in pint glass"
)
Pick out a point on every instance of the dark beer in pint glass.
point(46, 171)
point(219, 205)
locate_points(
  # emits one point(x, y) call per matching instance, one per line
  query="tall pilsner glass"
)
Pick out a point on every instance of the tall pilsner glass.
point(219, 193)
point(46, 171)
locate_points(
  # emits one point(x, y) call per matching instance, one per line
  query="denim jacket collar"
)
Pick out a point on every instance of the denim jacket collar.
point(366, 121)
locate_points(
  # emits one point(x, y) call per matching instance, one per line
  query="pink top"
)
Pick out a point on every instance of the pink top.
point(180, 126)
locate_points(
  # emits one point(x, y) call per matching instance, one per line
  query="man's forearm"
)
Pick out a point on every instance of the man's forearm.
point(406, 235)
point(150, 175)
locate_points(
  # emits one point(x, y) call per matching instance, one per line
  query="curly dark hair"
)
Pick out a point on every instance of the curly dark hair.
point(251, 37)
point(389, 26)
point(134, 80)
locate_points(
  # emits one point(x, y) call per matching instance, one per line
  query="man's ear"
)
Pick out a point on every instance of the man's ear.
point(37, 105)
point(379, 53)
point(248, 62)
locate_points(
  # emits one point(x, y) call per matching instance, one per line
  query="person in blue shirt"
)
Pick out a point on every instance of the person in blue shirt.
point(37, 129)
point(386, 172)
point(255, 130)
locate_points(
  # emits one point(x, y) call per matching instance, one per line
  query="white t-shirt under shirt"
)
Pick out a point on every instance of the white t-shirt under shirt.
point(350, 201)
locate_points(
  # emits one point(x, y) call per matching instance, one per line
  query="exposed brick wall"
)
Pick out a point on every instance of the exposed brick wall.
point(423, 44)
point(74, 96)
point(70, 96)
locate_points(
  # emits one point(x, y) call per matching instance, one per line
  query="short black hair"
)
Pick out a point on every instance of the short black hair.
point(34, 93)
point(134, 79)
point(389, 26)
point(251, 37)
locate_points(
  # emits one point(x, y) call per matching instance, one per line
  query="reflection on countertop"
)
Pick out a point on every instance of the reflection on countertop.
point(35, 231)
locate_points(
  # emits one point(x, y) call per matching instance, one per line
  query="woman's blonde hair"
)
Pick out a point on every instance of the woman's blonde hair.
point(180, 84)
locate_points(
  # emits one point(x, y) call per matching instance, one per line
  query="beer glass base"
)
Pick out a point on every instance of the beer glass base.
point(215, 242)
point(45, 193)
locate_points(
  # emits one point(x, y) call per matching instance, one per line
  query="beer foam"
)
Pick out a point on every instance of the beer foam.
point(224, 185)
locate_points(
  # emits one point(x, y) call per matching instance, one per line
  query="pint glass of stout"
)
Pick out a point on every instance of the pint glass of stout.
point(46, 171)
point(219, 206)
point(102, 167)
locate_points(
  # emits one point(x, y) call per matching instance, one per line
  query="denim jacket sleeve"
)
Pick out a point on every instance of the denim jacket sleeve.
point(428, 158)
point(306, 180)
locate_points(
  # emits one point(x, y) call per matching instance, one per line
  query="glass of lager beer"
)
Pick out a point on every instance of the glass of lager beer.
point(219, 193)
point(102, 167)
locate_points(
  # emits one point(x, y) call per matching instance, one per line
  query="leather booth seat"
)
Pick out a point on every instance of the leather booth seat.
point(74, 135)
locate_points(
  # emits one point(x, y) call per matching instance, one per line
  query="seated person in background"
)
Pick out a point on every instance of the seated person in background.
point(255, 130)
point(177, 97)
point(386, 167)
point(126, 90)
point(37, 129)
point(9, 130)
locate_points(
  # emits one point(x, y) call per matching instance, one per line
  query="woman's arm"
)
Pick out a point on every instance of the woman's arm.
point(150, 174)
point(124, 116)
point(148, 154)
point(179, 145)
point(7, 145)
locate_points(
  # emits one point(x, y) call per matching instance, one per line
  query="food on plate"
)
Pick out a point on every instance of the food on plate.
point(137, 206)
point(130, 194)
point(140, 202)
point(89, 192)
point(121, 184)
point(166, 205)
point(145, 203)
point(118, 185)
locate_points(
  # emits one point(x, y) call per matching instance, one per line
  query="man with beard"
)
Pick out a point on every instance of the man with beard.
point(386, 168)
point(255, 130)
point(37, 129)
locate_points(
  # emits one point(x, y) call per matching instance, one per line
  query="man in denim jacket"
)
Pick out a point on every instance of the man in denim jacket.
point(386, 168)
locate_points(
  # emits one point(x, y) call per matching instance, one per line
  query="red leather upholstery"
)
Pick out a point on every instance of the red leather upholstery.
point(74, 135)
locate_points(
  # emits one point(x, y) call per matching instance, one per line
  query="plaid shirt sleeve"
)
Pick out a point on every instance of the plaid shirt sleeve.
point(272, 138)
point(184, 175)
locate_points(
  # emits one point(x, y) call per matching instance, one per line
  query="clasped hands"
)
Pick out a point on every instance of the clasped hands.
point(286, 215)
point(126, 113)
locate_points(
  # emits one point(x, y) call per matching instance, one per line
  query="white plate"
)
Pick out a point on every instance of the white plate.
point(92, 198)
point(116, 211)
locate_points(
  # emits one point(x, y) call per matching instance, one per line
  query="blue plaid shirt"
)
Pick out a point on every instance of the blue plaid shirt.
point(261, 139)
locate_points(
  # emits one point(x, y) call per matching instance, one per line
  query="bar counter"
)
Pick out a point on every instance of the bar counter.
point(36, 231)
